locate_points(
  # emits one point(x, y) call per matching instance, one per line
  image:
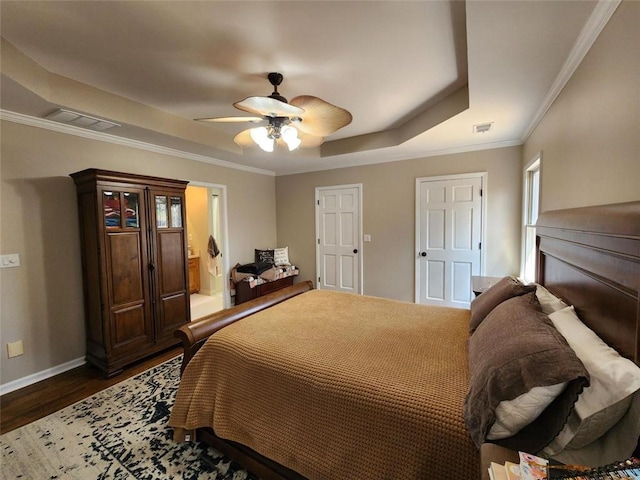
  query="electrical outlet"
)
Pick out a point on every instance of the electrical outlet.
point(11, 260)
point(15, 349)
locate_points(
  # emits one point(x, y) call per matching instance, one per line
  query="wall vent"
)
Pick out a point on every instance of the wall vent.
point(81, 120)
point(482, 127)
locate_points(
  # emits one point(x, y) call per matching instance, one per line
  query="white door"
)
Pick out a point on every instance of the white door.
point(338, 227)
point(448, 238)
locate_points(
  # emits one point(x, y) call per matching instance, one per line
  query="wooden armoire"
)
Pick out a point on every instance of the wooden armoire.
point(134, 262)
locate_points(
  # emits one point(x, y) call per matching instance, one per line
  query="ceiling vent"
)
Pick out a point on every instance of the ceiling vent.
point(482, 127)
point(81, 120)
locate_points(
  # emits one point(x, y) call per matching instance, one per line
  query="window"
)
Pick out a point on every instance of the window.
point(530, 217)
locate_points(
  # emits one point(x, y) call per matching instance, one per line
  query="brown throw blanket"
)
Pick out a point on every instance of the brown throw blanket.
point(338, 386)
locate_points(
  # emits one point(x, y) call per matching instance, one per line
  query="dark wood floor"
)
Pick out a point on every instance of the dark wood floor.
point(43, 398)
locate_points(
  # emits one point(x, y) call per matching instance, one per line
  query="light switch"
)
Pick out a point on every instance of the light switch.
point(11, 260)
point(367, 238)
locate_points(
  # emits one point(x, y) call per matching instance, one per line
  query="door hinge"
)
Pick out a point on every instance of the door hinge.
point(318, 279)
point(318, 202)
point(480, 192)
point(318, 241)
point(480, 246)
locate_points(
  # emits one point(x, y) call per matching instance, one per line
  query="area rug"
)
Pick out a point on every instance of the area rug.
point(120, 433)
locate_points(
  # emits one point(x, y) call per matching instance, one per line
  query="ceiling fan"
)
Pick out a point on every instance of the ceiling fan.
point(302, 122)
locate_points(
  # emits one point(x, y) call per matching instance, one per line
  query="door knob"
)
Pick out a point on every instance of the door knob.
point(423, 254)
point(355, 250)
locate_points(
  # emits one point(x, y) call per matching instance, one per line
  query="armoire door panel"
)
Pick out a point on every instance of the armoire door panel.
point(127, 270)
point(128, 325)
point(171, 261)
point(172, 314)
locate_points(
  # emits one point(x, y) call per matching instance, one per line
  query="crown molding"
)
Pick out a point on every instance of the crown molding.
point(106, 137)
point(600, 16)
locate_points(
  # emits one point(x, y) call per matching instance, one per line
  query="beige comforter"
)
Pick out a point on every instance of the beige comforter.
point(339, 386)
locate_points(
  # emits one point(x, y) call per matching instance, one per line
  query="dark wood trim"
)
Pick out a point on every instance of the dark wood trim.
point(590, 257)
point(257, 464)
point(194, 334)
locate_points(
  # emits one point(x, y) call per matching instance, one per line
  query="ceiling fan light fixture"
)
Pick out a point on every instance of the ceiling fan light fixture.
point(261, 137)
point(290, 137)
point(313, 118)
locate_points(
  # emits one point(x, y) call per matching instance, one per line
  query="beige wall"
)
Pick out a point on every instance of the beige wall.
point(590, 137)
point(41, 301)
point(388, 208)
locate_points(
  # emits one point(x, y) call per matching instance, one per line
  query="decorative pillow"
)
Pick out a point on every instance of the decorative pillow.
point(281, 256)
point(548, 301)
point(614, 380)
point(504, 289)
point(515, 349)
point(264, 256)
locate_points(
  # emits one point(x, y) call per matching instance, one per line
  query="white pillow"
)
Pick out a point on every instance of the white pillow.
point(513, 415)
point(613, 380)
point(548, 301)
point(281, 256)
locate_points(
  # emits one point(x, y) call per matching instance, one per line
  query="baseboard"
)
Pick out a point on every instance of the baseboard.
point(37, 377)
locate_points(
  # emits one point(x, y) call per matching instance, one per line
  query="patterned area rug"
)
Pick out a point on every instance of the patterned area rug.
point(119, 433)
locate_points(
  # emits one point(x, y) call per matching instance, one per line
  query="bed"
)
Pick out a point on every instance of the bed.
point(343, 407)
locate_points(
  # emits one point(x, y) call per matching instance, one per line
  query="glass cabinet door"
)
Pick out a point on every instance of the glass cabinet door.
point(176, 212)
point(132, 210)
point(162, 214)
point(168, 211)
point(111, 208)
point(121, 205)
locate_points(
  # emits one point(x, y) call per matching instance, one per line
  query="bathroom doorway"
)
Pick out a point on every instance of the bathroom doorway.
point(207, 240)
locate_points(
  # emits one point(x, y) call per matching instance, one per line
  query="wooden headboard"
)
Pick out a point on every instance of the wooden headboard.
point(590, 257)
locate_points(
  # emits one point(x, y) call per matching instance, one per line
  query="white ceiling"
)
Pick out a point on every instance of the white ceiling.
point(390, 63)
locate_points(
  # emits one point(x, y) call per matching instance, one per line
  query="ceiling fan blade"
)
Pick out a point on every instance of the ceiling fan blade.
point(309, 141)
point(320, 118)
point(230, 119)
point(244, 139)
point(268, 107)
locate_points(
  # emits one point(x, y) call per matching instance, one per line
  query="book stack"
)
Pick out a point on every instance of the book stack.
point(532, 467)
point(508, 471)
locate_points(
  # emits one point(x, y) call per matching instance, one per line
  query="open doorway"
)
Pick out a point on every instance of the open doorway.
point(207, 240)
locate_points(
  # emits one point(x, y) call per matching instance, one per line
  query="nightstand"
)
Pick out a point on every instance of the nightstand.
point(481, 284)
point(490, 452)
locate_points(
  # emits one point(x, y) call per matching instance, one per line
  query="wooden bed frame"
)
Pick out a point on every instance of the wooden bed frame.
point(589, 257)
